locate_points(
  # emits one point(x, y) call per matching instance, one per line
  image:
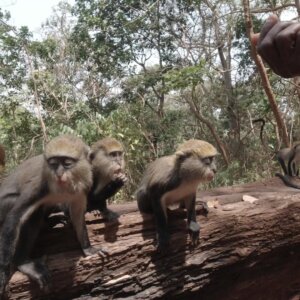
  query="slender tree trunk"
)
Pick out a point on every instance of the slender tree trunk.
point(265, 80)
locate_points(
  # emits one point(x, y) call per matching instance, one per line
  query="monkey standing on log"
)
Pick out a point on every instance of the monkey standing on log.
point(174, 179)
point(62, 175)
point(289, 159)
point(108, 164)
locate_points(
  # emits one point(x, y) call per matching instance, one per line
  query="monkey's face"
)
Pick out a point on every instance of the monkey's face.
point(69, 174)
point(210, 168)
point(117, 160)
point(108, 164)
point(198, 168)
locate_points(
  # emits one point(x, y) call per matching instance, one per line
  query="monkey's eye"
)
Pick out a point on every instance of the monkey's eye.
point(68, 163)
point(53, 163)
point(115, 154)
point(207, 160)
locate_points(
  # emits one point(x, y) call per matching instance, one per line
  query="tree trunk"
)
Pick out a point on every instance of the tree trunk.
point(249, 249)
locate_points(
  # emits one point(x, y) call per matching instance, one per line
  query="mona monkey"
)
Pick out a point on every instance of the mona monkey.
point(174, 179)
point(289, 159)
point(108, 165)
point(61, 175)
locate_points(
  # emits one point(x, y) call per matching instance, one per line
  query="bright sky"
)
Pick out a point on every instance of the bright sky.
point(31, 13)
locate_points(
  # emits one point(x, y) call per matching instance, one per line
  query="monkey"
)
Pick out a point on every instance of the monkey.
point(2, 159)
point(62, 174)
point(289, 159)
point(108, 165)
point(174, 179)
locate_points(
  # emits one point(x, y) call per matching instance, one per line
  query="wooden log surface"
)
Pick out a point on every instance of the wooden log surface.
point(249, 249)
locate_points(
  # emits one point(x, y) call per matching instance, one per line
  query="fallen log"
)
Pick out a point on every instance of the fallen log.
point(249, 249)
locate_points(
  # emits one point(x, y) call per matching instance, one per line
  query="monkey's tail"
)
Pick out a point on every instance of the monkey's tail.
point(143, 201)
point(287, 181)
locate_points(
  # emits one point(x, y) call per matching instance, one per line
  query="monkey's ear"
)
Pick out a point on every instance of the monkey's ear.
point(182, 154)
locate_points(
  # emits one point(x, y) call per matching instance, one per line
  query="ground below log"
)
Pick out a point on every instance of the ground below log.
point(249, 249)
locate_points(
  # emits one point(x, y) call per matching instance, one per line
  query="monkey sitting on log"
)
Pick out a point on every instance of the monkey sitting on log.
point(174, 179)
point(289, 159)
point(61, 175)
point(108, 165)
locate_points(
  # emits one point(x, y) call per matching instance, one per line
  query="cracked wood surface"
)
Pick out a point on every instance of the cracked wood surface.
point(249, 249)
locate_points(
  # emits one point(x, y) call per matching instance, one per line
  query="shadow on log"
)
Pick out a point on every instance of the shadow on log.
point(249, 249)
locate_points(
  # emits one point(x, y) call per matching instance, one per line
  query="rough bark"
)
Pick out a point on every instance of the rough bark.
point(247, 251)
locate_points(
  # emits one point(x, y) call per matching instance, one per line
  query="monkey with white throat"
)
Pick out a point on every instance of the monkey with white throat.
point(61, 175)
point(108, 165)
point(174, 179)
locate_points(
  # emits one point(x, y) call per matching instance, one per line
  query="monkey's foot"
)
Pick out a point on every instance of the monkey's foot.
point(95, 250)
point(194, 230)
point(205, 208)
point(110, 215)
point(163, 244)
point(38, 271)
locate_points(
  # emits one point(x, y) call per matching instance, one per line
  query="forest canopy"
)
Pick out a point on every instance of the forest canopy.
point(151, 74)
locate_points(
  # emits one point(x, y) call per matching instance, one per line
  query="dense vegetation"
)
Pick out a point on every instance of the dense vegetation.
point(151, 74)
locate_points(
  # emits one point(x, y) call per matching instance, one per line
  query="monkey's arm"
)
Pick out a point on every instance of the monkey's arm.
point(283, 166)
point(163, 235)
point(77, 212)
point(37, 269)
point(193, 226)
point(97, 201)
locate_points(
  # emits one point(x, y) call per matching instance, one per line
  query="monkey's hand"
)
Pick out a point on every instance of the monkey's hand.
point(95, 250)
point(194, 230)
point(120, 178)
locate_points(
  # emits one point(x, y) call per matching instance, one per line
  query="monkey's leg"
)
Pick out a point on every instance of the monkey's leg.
point(283, 166)
point(77, 212)
point(161, 224)
point(291, 168)
point(193, 226)
point(35, 269)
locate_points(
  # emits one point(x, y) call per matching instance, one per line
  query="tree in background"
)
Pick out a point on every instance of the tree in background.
point(151, 74)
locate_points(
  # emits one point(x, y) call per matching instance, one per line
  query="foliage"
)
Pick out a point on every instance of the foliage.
point(149, 73)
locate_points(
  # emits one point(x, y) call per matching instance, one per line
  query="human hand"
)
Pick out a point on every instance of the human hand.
point(278, 43)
